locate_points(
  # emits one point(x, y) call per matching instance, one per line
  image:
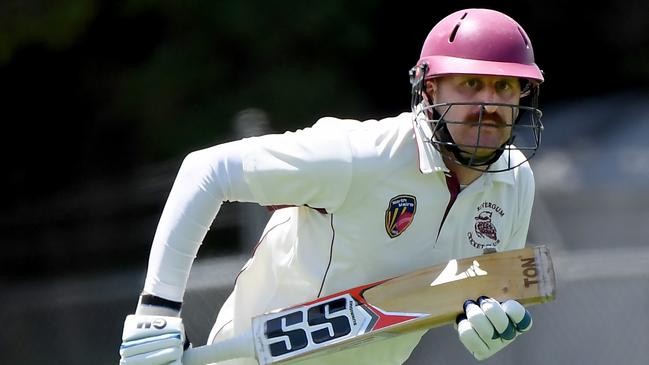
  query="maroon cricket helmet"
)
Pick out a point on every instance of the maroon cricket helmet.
point(481, 42)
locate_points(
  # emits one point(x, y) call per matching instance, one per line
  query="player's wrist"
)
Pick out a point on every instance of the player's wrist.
point(149, 304)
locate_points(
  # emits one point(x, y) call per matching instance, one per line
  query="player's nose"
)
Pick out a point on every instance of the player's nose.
point(490, 108)
point(489, 96)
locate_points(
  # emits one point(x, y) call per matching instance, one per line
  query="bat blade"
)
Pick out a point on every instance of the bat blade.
point(423, 299)
point(526, 275)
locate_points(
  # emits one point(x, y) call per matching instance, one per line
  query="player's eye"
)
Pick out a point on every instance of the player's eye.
point(472, 83)
point(503, 85)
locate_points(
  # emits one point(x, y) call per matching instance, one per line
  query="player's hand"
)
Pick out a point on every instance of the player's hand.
point(487, 326)
point(152, 340)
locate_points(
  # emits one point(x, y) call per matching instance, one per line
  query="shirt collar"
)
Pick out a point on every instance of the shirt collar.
point(501, 164)
point(430, 159)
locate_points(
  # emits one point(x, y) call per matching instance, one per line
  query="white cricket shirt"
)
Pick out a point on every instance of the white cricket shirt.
point(372, 200)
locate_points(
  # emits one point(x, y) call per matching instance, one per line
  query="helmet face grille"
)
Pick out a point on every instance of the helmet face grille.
point(522, 135)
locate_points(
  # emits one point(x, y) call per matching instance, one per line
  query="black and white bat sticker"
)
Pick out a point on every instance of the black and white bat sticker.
point(303, 329)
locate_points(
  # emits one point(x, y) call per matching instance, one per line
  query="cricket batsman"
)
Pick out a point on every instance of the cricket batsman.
point(360, 201)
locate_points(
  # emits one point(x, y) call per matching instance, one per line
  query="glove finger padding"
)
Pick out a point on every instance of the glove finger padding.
point(479, 321)
point(149, 344)
point(152, 340)
point(469, 337)
point(164, 356)
point(498, 317)
point(488, 326)
point(520, 316)
point(474, 343)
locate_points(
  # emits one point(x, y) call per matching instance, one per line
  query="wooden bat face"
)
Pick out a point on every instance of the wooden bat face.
point(423, 299)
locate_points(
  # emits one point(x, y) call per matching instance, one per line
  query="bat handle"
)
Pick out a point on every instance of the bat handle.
point(232, 348)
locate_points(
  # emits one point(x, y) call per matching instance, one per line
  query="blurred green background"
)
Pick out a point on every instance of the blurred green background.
point(101, 100)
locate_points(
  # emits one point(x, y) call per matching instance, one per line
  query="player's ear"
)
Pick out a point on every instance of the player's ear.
point(430, 91)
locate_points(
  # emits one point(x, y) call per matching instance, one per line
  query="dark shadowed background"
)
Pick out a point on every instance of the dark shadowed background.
point(100, 101)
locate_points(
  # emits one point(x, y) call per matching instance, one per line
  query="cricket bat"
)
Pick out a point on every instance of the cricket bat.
point(426, 298)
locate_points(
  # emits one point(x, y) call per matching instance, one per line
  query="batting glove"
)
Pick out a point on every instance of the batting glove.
point(487, 326)
point(152, 340)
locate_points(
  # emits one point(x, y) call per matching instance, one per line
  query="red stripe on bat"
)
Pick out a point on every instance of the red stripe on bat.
point(386, 319)
point(356, 293)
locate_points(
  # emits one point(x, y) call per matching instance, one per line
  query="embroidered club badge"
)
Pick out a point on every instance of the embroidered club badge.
point(399, 215)
point(485, 231)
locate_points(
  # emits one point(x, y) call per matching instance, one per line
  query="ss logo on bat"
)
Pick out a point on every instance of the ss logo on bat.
point(318, 324)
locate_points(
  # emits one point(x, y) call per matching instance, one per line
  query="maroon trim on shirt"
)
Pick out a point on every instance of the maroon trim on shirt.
point(453, 185)
point(331, 249)
point(219, 331)
point(254, 250)
point(273, 208)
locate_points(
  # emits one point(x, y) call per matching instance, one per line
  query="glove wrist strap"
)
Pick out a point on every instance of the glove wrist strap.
point(153, 305)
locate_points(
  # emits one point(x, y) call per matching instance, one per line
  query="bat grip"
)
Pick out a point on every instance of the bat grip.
point(232, 348)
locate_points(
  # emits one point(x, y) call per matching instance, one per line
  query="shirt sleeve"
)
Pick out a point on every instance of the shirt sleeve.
point(205, 180)
point(307, 167)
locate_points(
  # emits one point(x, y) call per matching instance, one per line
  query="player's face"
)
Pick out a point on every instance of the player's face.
point(464, 122)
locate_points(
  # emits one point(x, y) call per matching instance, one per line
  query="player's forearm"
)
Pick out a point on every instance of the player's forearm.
point(205, 180)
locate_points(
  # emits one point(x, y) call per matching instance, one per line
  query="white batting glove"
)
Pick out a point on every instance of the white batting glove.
point(487, 326)
point(152, 340)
